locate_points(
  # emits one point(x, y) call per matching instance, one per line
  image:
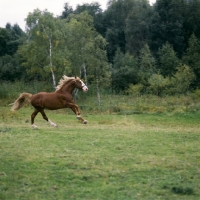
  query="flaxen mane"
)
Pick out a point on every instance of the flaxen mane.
point(62, 81)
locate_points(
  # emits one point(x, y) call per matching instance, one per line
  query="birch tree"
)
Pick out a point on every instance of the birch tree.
point(99, 70)
point(81, 33)
point(44, 51)
point(88, 55)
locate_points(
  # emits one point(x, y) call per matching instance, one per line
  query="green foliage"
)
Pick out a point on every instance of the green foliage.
point(192, 58)
point(134, 90)
point(10, 68)
point(4, 38)
point(178, 84)
point(115, 22)
point(147, 65)
point(137, 31)
point(124, 71)
point(81, 41)
point(158, 84)
point(191, 20)
point(11, 38)
point(88, 55)
point(196, 94)
point(98, 67)
point(168, 60)
point(130, 42)
point(67, 11)
point(182, 80)
point(167, 25)
point(45, 51)
point(147, 61)
point(92, 8)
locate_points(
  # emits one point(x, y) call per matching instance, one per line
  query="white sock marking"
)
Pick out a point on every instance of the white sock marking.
point(34, 126)
point(51, 123)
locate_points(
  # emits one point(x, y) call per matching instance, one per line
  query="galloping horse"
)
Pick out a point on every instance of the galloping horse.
point(61, 98)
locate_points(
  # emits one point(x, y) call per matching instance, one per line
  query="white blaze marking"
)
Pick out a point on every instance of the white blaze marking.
point(84, 87)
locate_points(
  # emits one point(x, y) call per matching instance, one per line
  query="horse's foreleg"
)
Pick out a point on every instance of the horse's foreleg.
point(32, 119)
point(76, 110)
point(46, 118)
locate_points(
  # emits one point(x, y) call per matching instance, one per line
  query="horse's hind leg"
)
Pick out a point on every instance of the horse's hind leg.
point(32, 119)
point(46, 118)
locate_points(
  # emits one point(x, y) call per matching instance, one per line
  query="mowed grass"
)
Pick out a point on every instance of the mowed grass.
point(141, 156)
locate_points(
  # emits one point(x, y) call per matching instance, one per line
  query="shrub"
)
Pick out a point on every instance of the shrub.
point(134, 90)
point(158, 84)
point(182, 80)
point(195, 94)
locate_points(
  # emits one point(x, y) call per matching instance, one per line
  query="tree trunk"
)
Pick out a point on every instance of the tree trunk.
point(85, 73)
point(98, 92)
point(76, 90)
point(51, 63)
point(54, 79)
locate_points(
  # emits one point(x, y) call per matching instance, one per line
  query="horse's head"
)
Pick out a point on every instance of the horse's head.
point(80, 84)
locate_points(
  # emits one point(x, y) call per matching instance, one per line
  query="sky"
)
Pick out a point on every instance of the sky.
point(15, 11)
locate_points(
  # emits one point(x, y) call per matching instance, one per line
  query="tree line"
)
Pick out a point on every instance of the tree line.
point(131, 47)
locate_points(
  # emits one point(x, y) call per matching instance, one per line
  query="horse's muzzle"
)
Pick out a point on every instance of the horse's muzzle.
point(85, 88)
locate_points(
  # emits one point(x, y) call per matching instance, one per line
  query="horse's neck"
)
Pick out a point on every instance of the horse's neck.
point(68, 88)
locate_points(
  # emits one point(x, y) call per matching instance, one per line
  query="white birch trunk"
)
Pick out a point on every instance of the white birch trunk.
point(98, 92)
point(76, 90)
point(51, 64)
point(54, 79)
point(85, 73)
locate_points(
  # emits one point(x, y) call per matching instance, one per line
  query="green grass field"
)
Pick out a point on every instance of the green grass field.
point(114, 157)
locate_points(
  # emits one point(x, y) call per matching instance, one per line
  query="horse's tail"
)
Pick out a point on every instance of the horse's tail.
point(24, 98)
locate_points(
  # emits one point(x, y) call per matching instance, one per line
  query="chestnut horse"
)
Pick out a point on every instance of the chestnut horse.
point(61, 98)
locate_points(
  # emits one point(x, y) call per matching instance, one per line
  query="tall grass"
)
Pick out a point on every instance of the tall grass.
point(110, 104)
point(123, 104)
point(9, 90)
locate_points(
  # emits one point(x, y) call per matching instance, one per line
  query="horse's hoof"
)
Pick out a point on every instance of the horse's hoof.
point(34, 126)
point(54, 125)
point(85, 122)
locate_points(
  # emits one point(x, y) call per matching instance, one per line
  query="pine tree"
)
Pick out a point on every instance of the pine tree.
point(192, 58)
point(168, 61)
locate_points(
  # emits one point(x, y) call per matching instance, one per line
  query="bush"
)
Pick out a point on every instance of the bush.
point(178, 84)
point(134, 90)
point(182, 80)
point(158, 84)
point(195, 94)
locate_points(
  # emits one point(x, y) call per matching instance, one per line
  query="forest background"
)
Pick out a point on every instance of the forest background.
point(131, 48)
